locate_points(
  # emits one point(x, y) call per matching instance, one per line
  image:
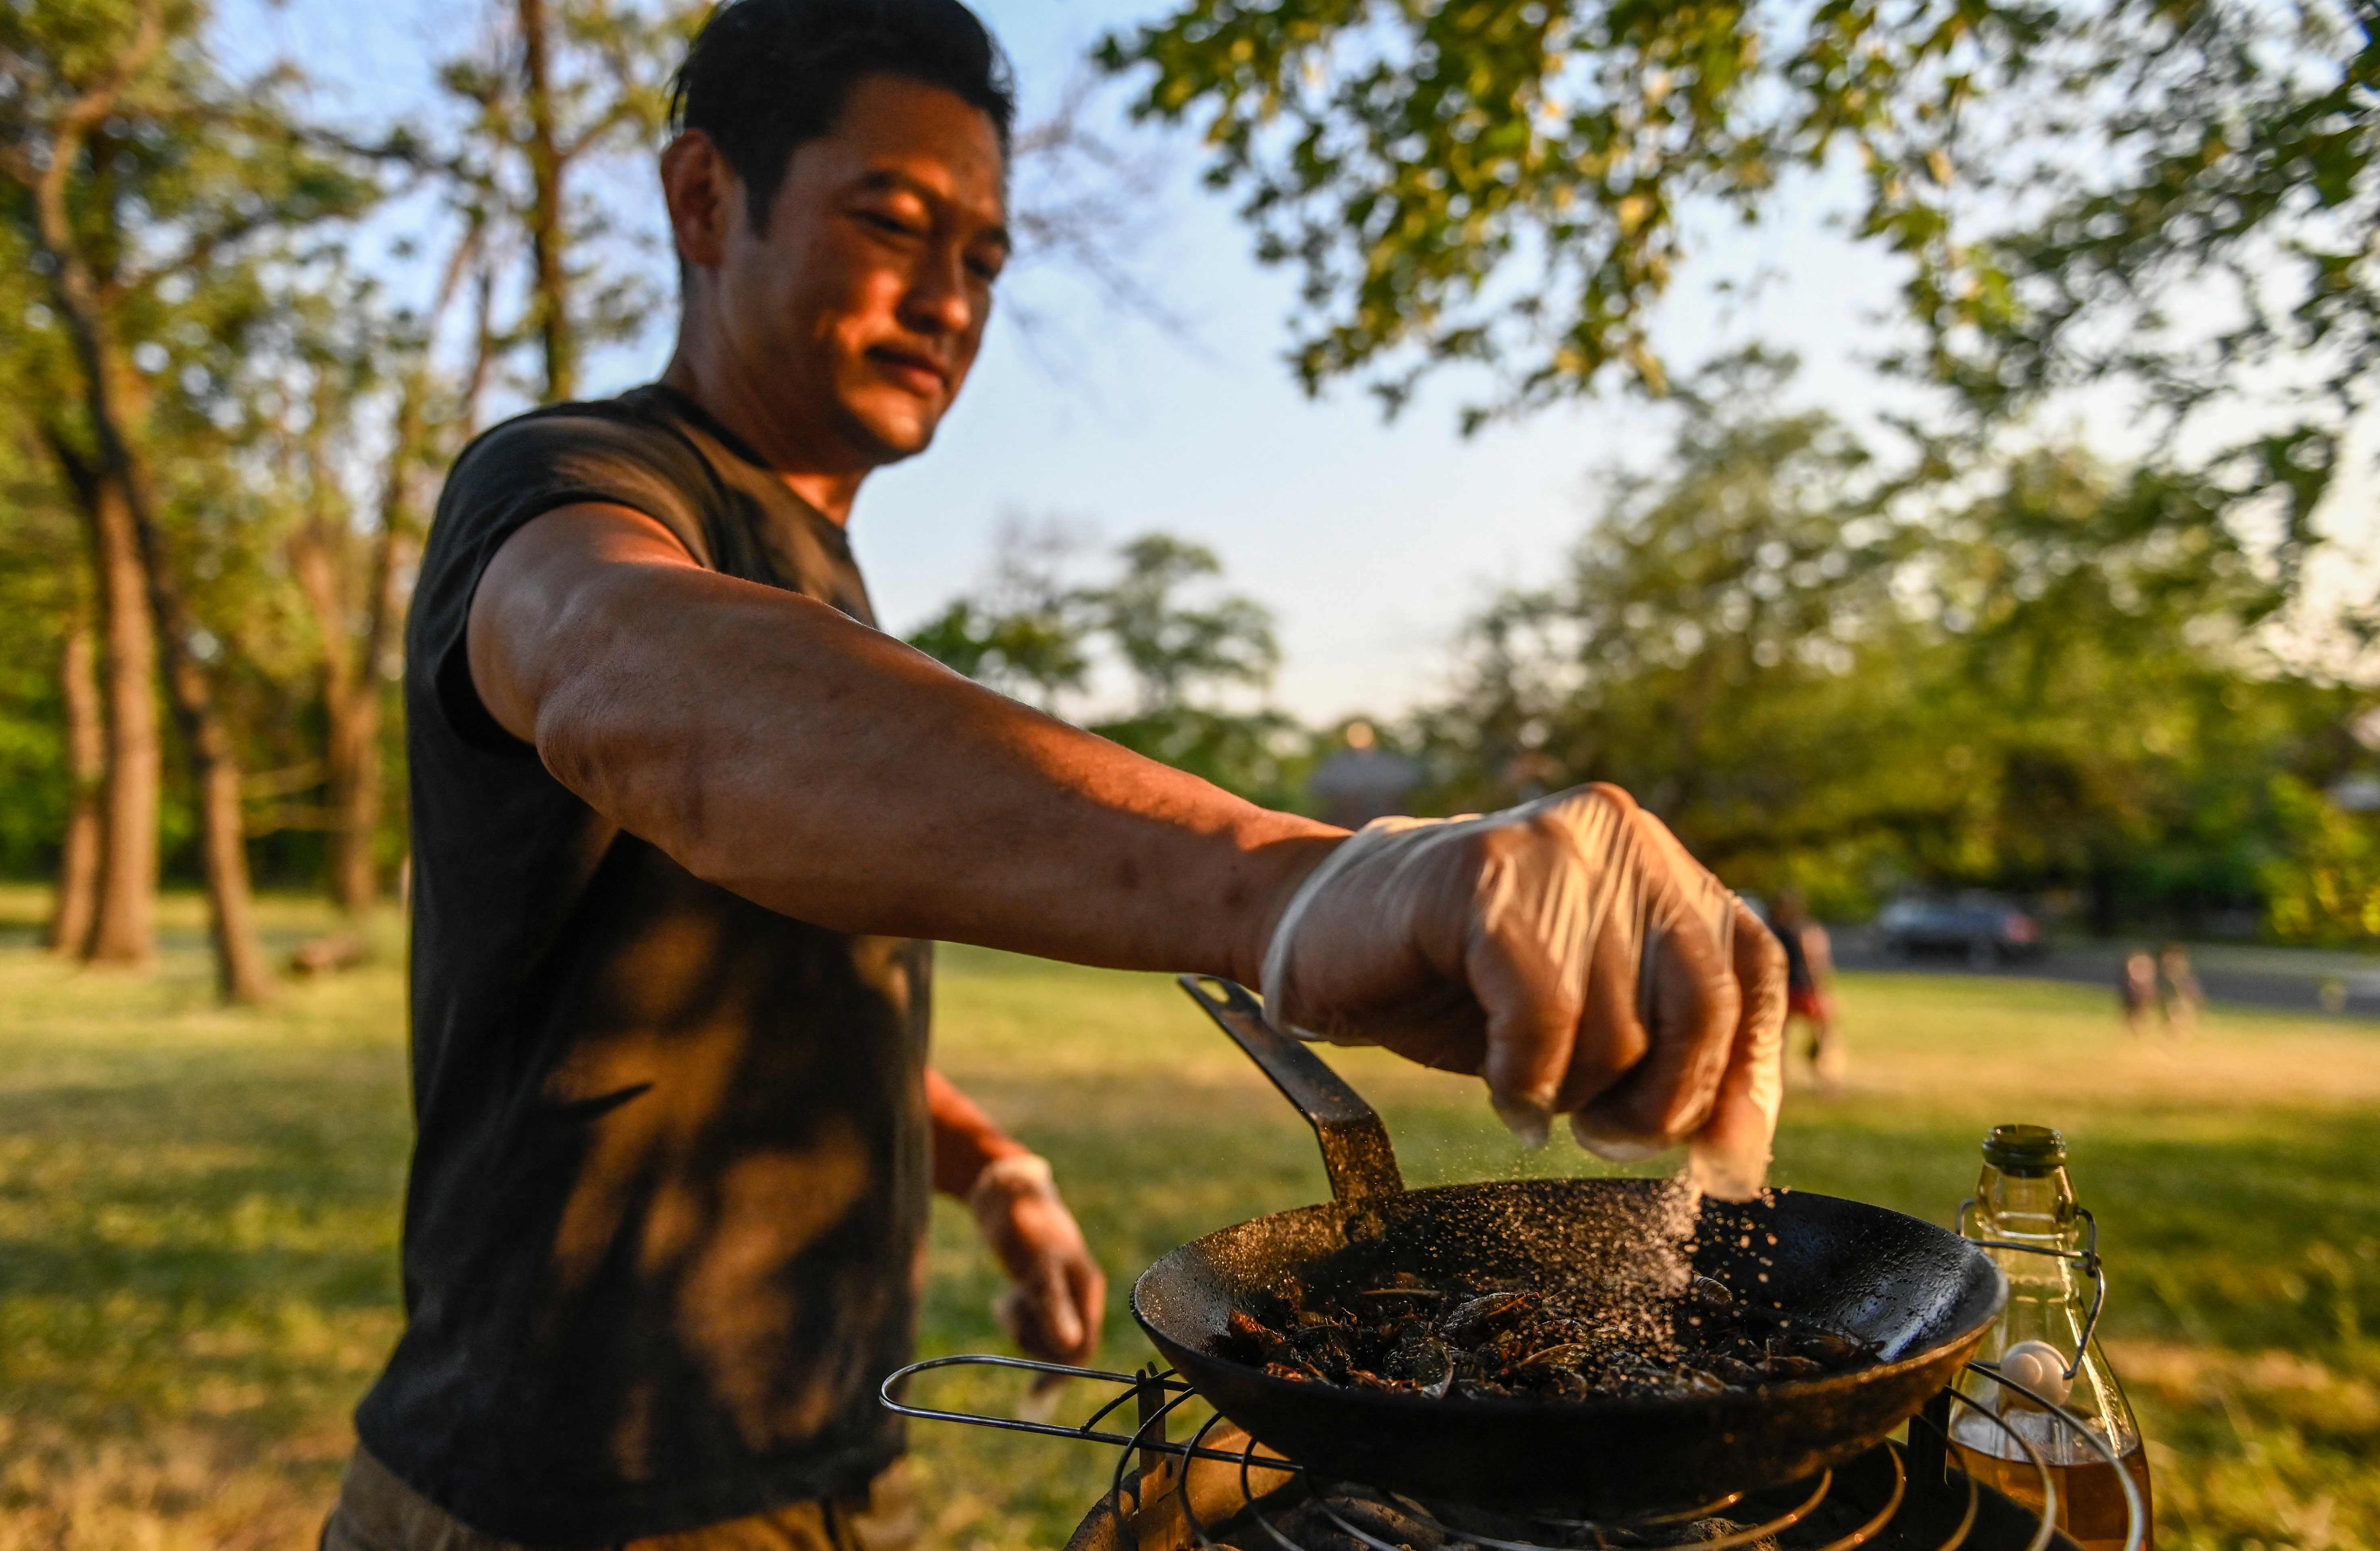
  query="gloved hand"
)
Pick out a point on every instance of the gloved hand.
point(1054, 1309)
point(1568, 950)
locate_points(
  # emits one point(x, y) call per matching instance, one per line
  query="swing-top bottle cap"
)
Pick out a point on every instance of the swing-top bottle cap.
point(2025, 1149)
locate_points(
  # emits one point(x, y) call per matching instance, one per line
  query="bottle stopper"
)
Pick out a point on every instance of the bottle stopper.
point(2040, 1367)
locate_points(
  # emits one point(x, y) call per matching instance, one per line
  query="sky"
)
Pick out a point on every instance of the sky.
point(1371, 540)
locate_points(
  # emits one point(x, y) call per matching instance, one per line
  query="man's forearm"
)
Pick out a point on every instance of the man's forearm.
point(777, 748)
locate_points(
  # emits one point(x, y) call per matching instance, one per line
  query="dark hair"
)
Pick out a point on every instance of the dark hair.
point(764, 77)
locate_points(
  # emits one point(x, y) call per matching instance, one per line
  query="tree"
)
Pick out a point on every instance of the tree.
point(2326, 886)
point(1023, 632)
point(2032, 672)
point(1184, 659)
point(120, 929)
point(353, 365)
point(1726, 642)
point(2102, 624)
point(1510, 184)
point(77, 907)
point(2197, 211)
point(138, 180)
point(1036, 632)
point(559, 85)
point(52, 742)
point(1172, 648)
point(352, 577)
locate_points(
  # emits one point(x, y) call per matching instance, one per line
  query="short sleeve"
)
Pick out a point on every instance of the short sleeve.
point(519, 471)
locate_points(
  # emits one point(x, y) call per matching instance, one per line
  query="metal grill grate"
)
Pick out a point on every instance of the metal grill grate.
point(1278, 1506)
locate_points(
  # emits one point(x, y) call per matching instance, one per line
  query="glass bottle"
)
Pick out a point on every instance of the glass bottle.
point(2024, 1209)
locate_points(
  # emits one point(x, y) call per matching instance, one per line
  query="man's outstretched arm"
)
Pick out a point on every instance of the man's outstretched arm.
point(777, 749)
point(1570, 951)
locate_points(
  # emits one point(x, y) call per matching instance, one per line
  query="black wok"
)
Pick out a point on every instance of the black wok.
point(1925, 1296)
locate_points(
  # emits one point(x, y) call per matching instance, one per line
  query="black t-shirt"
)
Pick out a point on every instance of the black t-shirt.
point(665, 1222)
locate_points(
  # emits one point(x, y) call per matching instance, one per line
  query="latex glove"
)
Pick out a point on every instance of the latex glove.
point(1572, 953)
point(1054, 1309)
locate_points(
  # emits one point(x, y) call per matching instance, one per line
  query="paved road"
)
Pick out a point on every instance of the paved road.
point(2295, 979)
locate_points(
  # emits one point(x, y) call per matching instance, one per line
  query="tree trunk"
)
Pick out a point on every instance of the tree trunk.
point(106, 485)
point(357, 779)
point(123, 928)
point(319, 555)
point(354, 652)
point(355, 782)
point(351, 707)
point(551, 283)
point(85, 739)
point(241, 974)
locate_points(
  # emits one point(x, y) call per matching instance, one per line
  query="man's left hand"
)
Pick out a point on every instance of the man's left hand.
point(1055, 1309)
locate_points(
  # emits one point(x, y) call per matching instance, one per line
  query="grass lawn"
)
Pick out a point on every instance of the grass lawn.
point(197, 1222)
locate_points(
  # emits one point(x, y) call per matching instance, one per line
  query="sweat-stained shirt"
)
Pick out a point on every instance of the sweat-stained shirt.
point(664, 1224)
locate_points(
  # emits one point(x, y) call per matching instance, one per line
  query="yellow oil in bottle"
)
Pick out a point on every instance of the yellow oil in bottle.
point(2090, 1499)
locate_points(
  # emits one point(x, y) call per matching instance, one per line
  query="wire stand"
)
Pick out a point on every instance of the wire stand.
point(1273, 1492)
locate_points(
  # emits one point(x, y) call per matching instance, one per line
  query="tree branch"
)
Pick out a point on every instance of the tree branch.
point(84, 112)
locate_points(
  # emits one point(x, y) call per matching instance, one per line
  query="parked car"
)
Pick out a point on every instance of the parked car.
point(1981, 929)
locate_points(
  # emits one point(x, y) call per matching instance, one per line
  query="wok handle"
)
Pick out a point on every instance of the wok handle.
point(1355, 1150)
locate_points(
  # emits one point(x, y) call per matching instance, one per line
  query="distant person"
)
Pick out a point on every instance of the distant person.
point(2181, 996)
point(1809, 980)
point(2136, 989)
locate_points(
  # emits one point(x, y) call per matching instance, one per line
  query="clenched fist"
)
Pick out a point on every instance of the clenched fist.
point(1572, 953)
point(1058, 1298)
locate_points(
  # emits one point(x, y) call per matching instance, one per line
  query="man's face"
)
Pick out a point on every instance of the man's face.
point(857, 312)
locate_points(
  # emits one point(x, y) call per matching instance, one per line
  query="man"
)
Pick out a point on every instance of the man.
point(684, 823)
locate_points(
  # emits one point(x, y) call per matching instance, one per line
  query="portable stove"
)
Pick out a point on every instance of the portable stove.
point(1221, 1489)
